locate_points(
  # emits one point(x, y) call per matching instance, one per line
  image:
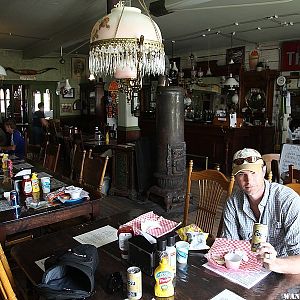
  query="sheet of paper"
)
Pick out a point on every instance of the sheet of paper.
point(98, 237)
point(245, 279)
point(41, 263)
point(227, 295)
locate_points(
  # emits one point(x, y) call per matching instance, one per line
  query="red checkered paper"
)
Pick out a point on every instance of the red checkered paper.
point(165, 225)
point(221, 246)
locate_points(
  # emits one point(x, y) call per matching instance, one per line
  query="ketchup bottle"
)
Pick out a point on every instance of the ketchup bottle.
point(26, 184)
point(125, 232)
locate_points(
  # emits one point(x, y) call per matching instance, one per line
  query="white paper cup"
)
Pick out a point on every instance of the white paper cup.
point(45, 181)
point(232, 261)
point(182, 252)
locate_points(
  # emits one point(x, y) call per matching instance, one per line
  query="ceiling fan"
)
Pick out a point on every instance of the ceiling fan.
point(162, 7)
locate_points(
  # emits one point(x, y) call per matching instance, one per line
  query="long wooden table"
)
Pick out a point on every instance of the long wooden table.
point(15, 221)
point(193, 280)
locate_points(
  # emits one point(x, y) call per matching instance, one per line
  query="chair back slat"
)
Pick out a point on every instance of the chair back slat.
point(77, 162)
point(207, 188)
point(294, 175)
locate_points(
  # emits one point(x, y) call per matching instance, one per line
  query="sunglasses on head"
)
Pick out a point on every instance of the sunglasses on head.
point(250, 159)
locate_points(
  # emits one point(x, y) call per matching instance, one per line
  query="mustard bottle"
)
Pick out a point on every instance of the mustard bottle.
point(35, 183)
point(4, 161)
point(163, 276)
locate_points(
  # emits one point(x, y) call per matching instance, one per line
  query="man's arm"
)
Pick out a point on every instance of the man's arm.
point(286, 265)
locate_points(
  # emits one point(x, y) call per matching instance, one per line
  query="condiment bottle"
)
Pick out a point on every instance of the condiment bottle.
point(35, 183)
point(171, 252)
point(4, 161)
point(35, 187)
point(163, 276)
point(26, 184)
point(125, 232)
point(161, 251)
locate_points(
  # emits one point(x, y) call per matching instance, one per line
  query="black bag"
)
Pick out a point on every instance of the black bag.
point(70, 275)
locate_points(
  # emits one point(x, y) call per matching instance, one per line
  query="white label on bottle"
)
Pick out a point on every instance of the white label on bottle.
point(172, 260)
point(123, 240)
point(27, 187)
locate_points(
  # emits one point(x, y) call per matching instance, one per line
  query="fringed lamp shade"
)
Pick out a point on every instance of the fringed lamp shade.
point(126, 44)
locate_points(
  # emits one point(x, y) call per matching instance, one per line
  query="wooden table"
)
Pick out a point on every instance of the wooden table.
point(13, 221)
point(193, 281)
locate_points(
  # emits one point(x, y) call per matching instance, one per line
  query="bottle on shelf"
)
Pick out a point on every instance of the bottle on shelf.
point(96, 133)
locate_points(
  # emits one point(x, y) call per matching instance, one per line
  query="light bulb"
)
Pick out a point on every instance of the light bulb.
point(235, 98)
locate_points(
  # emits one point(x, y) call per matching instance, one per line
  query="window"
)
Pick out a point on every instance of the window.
point(4, 102)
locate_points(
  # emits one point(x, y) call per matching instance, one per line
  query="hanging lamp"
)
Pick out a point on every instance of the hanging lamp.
point(127, 45)
point(231, 82)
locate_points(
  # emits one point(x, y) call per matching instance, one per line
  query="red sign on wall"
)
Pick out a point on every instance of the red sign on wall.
point(290, 56)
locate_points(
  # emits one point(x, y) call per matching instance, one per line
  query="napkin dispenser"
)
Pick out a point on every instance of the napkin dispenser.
point(141, 253)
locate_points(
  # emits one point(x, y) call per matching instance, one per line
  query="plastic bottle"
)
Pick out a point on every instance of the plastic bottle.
point(26, 184)
point(4, 161)
point(125, 232)
point(171, 252)
point(163, 276)
point(161, 251)
point(35, 187)
point(35, 183)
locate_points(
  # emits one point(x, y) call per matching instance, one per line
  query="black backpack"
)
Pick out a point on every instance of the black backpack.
point(70, 275)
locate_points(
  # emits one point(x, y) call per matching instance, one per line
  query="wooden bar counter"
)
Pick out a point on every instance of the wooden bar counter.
point(219, 143)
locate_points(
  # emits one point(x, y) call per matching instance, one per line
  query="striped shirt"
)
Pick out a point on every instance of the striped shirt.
point(279, 209)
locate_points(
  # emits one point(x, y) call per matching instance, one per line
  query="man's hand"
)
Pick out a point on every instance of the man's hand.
point(267, 254)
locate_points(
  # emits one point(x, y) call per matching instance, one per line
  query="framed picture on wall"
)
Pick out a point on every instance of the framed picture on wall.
point(69, 94)
point(78, 66)
point(236, 54)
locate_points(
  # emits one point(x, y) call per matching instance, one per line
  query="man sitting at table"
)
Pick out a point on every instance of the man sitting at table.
point(17, 143)
point(256, 200)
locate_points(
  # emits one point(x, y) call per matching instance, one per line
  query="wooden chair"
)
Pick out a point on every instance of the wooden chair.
point(294, 186)
point(94, 171)
point(294, 175)
point(208, 188)
point(7, 284)
point(32, 152)
point(51, 156)
point(272, 163)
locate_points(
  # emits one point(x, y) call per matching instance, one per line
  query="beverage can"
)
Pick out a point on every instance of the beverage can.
point(18, 185)
point(14, 198)
point(260, 233)
point(134, 283)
